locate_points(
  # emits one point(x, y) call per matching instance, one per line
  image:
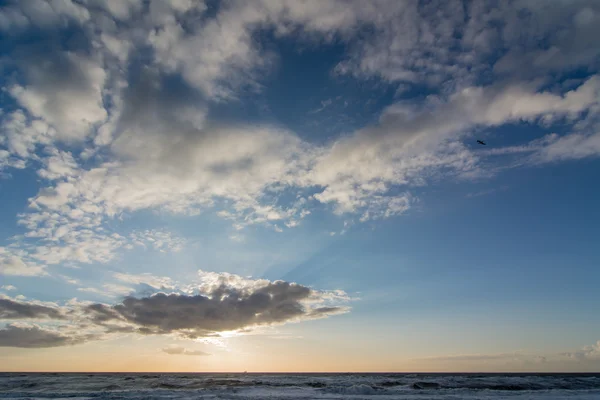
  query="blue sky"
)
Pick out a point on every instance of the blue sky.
point(214, 178)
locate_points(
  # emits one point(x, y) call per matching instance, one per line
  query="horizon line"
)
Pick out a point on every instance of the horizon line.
point(309, 373)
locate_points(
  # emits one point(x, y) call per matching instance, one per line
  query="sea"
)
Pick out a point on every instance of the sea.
point(80, 386)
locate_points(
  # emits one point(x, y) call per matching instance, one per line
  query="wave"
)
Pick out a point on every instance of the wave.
point(425, 385)
point(95, 385)
point(360, 389)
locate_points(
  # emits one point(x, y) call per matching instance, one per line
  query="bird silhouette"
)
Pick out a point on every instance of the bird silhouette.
point(481, 142)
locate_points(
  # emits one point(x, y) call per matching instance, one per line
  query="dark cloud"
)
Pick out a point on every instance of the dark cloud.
point(225, 308)
point(10, 309)
point(325, 310)
point(100, 313)
point(225, 302)
point(178, 350)
point(33, 337)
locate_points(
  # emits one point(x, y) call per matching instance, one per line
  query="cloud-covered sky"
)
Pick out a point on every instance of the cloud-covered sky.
point(202, 177)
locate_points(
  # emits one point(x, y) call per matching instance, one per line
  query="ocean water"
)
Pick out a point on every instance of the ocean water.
point(300, 386)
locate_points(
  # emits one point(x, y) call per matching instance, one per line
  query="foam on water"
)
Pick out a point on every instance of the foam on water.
point(299, 386)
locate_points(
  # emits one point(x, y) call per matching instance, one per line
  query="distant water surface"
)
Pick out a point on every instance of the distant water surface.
point(300, 386)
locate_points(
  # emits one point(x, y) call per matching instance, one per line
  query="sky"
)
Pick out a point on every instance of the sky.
point(274, 185)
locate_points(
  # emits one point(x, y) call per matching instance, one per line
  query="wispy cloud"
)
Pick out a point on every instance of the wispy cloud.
point(108, 290)
point(324, 105)
point(587, 353)
point(12, 264)
point(591, 352)
point(487, 191)
point(182, 351)
point(157, 282)
point(499, 357)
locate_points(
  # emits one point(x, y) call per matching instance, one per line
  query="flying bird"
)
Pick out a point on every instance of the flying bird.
point(481, 142)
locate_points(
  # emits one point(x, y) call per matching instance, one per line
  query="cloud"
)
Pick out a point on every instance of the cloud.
point(61, 87)
point(567, 30)
point(13, 265)
point(116, 289)
point(108, 290)
point(573, 146)
point(408, 41)
point(411, 144)
point(122, 119)
point(452, 44)
point(180, 350)
point(324, 105)
point(554, 148)
point(57, 233)
point(218, 303)
point(33, 337)
point(93, 290)
point(10, 309)
point(587, 353)
point(8, 287)
point(220, 55)
point(486, 192)
point(156, 282)
point(500, 357)
point(227, 303)
point(158, 240)
point(41, 14)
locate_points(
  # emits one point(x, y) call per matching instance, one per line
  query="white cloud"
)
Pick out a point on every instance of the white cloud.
point(220, 56)
point(410, 145)
point(65, 91)
point(8, 287)
point(452, 44)
point(95, 291)
point(43, 14)
point(158, 240)
point(237, 238)
point(59, 164)
point(109, 141)
point(554, 148)
point(23, 135)
point(108, 290)
point(569, 147)
point(411, 44)
point(116, 289)
point(120, 10)
point(586, 353)
point(69, 280)
point(11, 264)
point(486, 192)
point(157, 282)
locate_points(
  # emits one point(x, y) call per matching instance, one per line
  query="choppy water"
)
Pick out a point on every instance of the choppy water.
point(300, 386)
